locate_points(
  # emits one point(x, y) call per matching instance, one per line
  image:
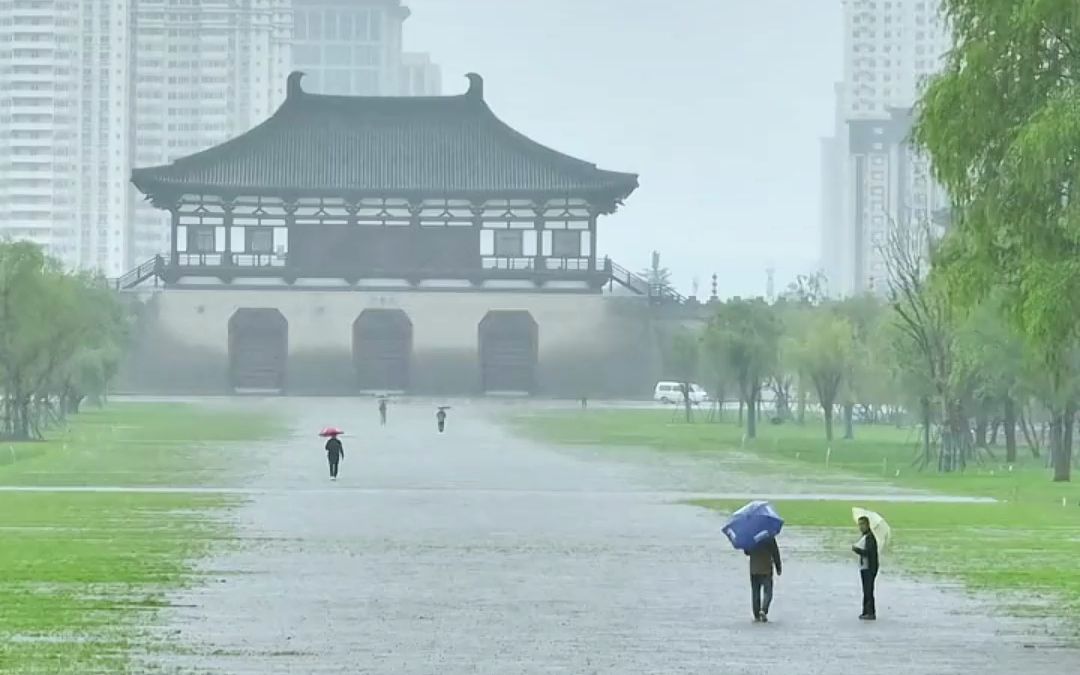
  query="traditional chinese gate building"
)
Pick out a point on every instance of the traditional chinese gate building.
point(383, 243)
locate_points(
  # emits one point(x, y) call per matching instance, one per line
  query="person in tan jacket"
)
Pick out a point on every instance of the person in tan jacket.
point(764, 558)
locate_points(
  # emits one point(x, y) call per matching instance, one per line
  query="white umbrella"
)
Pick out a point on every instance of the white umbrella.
point(880, 528)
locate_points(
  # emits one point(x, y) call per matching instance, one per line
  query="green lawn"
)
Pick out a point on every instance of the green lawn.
point(80, 571)
point(881, 452)
point(1027, 545)
point(137, 444)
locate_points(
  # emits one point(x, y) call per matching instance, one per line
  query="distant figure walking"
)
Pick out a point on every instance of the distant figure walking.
point(763, 559)
point(440, 419)
point(867, 550)
point(584, 403)
point(335, 453)
point(382, 411)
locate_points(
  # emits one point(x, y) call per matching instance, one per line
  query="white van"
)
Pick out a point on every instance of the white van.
point(671, 392)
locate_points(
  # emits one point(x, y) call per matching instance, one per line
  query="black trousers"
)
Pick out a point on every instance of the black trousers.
point(868, 606)
point(333, 466)
point(442, 425)
point(761, 586)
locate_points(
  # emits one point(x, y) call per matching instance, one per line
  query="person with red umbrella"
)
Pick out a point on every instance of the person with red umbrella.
point(335, 452)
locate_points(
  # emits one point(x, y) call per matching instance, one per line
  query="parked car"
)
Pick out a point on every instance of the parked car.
point(672, 392)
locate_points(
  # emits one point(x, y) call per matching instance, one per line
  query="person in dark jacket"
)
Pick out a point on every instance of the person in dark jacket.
point(382, 411)
point(440, 419)
point(867, 550)
point(763, 559)
point(334, 454)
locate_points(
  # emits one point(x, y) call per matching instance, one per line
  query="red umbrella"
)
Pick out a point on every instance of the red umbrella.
point(331, 431)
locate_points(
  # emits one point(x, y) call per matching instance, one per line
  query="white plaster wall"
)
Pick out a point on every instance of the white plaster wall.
point(589, 344)
point(322, 320)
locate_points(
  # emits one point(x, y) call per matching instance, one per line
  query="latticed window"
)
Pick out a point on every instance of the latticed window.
point(508, 244)
point(202, 239)
point(260, 240)
point(566, 244)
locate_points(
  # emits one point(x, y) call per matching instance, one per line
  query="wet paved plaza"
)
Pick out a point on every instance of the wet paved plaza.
point(477, 552)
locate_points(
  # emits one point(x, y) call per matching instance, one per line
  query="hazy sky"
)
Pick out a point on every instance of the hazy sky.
point(718, 105)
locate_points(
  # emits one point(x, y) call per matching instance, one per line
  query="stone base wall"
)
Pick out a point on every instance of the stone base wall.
point(591, 345)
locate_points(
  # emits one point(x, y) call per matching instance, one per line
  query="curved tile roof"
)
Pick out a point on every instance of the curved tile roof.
point(441, 145)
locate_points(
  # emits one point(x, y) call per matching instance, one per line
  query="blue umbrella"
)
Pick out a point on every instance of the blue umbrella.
point(753, 524)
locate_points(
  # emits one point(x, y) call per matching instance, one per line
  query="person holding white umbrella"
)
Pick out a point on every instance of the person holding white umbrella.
point(867, 550)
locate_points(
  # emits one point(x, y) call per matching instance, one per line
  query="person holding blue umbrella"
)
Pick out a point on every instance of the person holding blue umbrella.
point(763, 559)
point(753, 529)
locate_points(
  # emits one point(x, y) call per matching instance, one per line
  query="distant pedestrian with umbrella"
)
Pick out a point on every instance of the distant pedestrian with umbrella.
point(753, 529)
point(875, 535)
point(440, 417)
point(382, 410)
point(335, 452)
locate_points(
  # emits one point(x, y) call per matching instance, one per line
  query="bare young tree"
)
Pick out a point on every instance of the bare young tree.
point(926, 327)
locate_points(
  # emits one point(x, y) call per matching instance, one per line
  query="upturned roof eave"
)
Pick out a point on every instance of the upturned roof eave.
point(153, 186)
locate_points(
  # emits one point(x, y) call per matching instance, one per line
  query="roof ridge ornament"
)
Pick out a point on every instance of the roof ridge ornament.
point(292, 86)
point(476, 86)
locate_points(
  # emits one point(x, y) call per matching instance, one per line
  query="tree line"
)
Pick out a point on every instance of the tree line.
point(62, 336)
point(981, 327)
point(1001, 126)
point(965, 377)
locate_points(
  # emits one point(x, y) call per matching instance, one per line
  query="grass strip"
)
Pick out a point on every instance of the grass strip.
point(81, 574)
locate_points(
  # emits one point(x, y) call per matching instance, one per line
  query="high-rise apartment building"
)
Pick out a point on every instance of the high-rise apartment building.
point(419, 76)
point(348, 47)
point(203, 71)
point(90, 88)
point(38, 122)
point(890, 47)
point(872, 179)
point(104, 92)
point(63, 122)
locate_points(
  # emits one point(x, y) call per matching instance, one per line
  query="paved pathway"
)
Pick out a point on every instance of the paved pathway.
point(474, 552)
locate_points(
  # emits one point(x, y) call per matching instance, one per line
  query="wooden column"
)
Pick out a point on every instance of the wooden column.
point(227, 207)
point(417, 242)
point(592, 239)
point(352, 220)
point(538, 237)
point(289, 205)
point(477, 209)
point(174, 213)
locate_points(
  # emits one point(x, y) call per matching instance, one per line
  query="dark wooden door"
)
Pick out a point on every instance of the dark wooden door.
point(258, 350)
point(382, 350)
point(508, 352)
